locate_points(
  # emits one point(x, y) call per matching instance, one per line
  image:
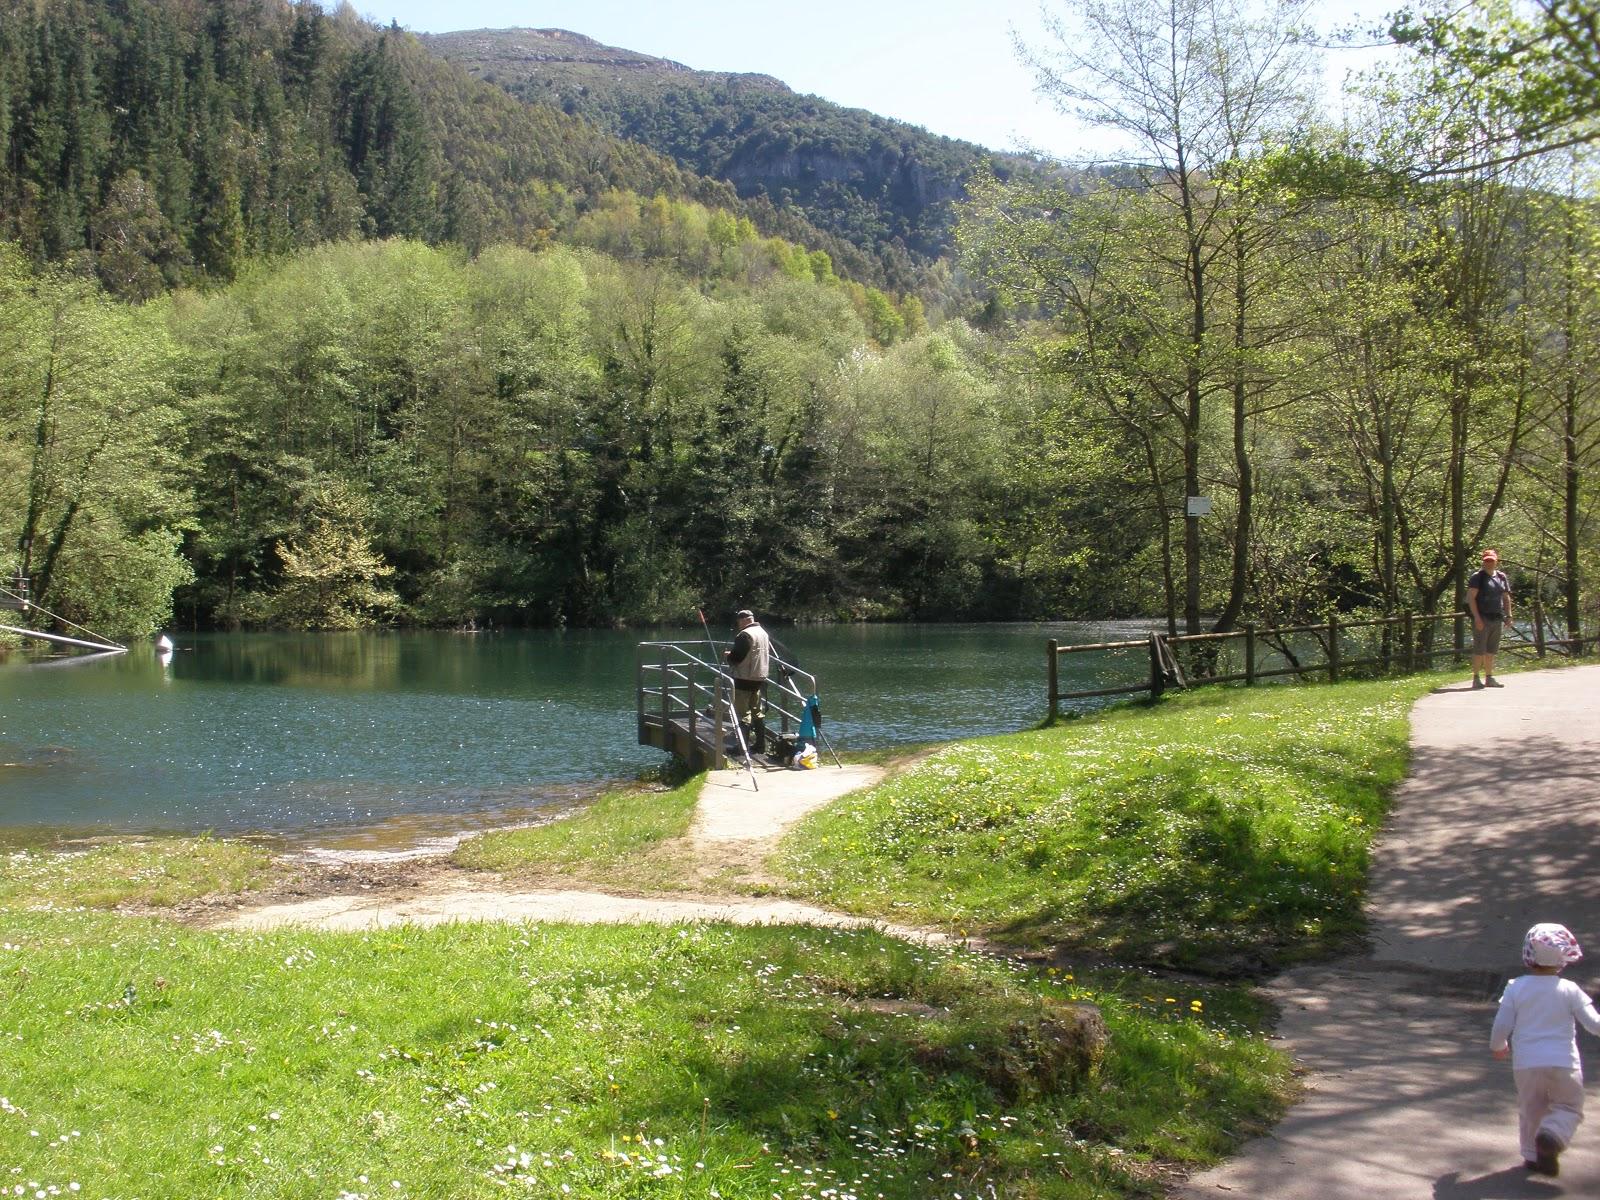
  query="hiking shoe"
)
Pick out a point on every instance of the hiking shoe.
point(1477, 684)
point(1548, 1155)
point(1492, 682)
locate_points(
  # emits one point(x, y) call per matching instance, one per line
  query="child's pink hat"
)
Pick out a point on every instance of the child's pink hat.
point(1550, 946)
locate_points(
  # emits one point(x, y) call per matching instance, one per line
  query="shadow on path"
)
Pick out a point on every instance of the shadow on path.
point(1513, 1183)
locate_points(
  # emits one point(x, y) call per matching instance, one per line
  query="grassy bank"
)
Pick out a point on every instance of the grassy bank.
point(1227, 827)
point(616, 839)
point(141, 872)
point(144, 1059)
point(1224, 830)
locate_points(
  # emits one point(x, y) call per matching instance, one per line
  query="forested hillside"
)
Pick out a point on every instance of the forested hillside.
point(159, 143)
point(889, 188)
point(300, 326)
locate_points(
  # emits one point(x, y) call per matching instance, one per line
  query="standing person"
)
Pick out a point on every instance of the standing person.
point(1489, 602)
point(750, 658)
point(1538, 1017)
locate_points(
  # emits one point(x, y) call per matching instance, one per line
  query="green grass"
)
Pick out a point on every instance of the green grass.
point(612, 831)
point(159, 872)
point(142, 1059)
point(1224, 829)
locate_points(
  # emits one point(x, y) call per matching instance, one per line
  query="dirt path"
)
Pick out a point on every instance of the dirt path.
point(1497, 827)
point(735, 825)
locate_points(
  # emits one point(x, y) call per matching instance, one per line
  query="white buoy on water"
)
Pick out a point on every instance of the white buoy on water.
point(164, 644)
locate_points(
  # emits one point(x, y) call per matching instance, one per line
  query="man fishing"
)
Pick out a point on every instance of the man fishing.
point(750, 658)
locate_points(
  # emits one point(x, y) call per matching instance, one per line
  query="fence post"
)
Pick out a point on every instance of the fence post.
point(1407, 632)
point(1538, 626)
point(1158, 674)
point(694, 703)
point(1249, 655)
point(1333, 647)
point(1461, 635)
point(1055, 688)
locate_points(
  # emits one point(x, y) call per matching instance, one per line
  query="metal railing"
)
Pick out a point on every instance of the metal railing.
point(1407, 642)
point(678, 684)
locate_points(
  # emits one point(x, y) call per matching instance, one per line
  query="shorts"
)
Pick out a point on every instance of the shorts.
point(1487, 639)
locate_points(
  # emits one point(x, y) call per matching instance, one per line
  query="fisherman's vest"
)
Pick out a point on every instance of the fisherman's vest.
point(754, 665)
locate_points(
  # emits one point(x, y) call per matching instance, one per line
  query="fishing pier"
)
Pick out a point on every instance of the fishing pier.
point(685, 704)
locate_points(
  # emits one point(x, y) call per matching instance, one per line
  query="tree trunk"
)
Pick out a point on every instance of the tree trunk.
point(1241, 451)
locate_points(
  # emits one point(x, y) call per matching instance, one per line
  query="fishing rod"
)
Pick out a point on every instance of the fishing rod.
point(716, 665)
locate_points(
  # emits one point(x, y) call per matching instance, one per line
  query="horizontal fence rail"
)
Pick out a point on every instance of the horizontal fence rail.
point(1407, 642)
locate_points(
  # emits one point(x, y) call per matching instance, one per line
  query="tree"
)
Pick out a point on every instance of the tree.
point(1193, 88)
point(330, 570)
point(137, 254)
point(1553, 491)
point(91, 494)
point(1536, 62)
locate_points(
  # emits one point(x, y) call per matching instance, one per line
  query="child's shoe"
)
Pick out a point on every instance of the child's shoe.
point(1548, 1152)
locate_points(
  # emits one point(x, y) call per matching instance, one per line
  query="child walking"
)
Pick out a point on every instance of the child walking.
point(1538, 1016)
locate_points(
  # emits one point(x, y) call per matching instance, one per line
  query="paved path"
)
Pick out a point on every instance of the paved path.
point(1497, 827)
point(731, 810)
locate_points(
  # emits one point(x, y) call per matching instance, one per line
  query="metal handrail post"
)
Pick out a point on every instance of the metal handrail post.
point(718, 758)
point(666, 687)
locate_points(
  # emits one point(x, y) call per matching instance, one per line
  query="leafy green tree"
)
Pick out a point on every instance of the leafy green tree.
point(331, 573)
point(1535, 62)
point(91, 495)
point(1192, 89)
point(137, 254)
point(1554, 490)
point(924, 441)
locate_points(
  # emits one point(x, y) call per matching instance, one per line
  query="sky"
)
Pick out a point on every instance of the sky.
point(946, 65)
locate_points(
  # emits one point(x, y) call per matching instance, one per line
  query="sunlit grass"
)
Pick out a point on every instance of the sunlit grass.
point(138, 1058)
point(158, 872)
point(612, 831)
point(141, 1059)
point(1225, 827)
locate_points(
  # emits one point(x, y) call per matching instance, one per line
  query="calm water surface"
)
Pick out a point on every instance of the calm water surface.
point(313, 737)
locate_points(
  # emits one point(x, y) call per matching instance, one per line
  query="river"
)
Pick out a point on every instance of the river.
point(382, 737)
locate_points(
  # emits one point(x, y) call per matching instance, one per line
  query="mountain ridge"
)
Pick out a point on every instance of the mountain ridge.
point(886, 186)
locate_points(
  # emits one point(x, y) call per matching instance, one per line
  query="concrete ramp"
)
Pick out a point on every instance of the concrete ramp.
point(732, 810)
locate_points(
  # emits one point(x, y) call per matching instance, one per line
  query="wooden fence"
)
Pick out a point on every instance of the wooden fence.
point(1407, 642)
